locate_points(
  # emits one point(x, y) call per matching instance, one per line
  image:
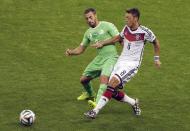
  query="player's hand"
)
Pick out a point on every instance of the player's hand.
point(97, 45)
point(157, 64)
point(68, 52)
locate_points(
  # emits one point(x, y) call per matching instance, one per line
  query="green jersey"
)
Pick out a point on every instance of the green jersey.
point(103, 31)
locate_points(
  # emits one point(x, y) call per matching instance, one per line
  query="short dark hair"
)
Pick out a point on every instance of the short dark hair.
point(134, 11)
point(90, 10)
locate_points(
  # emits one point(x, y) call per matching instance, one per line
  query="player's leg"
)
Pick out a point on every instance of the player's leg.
point(107, 67)
point(123, 97)
point(107, 95)
point(109, 92)
point(103, 85)
point(105, 74)
point(88, 93)
point(125, 76)
point(119, 76)
point(92, 71)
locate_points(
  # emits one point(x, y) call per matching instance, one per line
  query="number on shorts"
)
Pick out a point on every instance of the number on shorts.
point(122, 73)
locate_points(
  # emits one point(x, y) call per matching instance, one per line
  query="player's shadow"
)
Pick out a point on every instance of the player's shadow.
point(17, 126)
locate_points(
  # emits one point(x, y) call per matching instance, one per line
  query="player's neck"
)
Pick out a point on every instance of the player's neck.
point(96, 24)
point(135, 27)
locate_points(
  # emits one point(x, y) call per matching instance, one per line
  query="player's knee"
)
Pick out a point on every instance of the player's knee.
point(84, 80)
point(118, 95)
point(114, 82)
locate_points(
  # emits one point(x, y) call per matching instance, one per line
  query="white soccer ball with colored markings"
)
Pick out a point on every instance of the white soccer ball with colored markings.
point(27, 117)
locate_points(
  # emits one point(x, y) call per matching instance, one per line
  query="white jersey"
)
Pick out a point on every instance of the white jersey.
point(134, 42)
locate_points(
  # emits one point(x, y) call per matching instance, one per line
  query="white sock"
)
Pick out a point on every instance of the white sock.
point(128, 99)
point(101, 103)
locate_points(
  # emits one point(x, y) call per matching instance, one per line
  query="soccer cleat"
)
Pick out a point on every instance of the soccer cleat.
point(90, 114)
point(136, 108)
point(85, 96)
point(92, 104)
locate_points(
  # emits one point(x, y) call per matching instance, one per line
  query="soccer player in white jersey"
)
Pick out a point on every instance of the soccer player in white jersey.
point(134, 37)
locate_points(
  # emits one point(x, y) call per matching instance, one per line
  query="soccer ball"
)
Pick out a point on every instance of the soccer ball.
point(27, 117)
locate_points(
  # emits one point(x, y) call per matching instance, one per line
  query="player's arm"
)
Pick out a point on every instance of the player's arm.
point(156, 45)
point(77, 51)
point(111, 41)
point(115, 37)
point(149, 36)
point(121, 42)
point(80, 49)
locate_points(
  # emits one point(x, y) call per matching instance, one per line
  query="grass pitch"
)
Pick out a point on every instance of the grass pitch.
point(35, 74)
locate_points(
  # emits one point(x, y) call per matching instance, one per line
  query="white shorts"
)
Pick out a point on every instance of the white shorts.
point(124, 71)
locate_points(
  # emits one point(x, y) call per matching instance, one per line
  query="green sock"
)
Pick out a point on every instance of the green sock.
point(88, 89)
point(100, 91)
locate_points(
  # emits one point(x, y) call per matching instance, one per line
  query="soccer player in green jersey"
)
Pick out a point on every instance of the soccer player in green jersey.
point(102, 65)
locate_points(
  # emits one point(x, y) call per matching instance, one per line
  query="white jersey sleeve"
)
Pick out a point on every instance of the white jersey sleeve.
point(149, 35)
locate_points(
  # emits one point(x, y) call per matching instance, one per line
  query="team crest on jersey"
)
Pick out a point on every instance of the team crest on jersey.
point(137, 37)
point(101, 32)
point(95, 35)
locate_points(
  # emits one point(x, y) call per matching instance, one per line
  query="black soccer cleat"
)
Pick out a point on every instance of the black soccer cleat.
point(136, 108)
point(90, 114)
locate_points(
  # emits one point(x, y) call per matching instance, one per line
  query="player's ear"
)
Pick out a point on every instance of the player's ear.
point(136, 19)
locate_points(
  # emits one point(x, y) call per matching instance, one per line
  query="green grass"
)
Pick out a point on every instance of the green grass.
point(35, 74)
